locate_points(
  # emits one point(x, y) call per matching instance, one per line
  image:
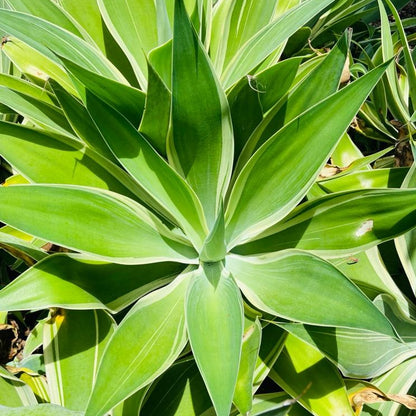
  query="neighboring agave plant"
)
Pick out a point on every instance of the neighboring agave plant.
point(186, 196)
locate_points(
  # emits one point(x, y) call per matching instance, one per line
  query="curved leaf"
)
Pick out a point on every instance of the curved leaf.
point(64, 357)
point(179, 391)
point(146, 343)
point(243, 393)
point(44, 158)
point(312, 379)
point(202, 142)
point(133, 23)
point(342, 223)
point(357, 353)
point(39, 410)
point(77, 282)
point(264, 42)
point(163, 189)
point(125, 99)
point(267, 188)
point(272, 282)
point(104, 224)
point(46, 37)
point(214, 317)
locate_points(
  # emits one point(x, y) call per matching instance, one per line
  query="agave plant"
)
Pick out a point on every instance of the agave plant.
point(171, 156)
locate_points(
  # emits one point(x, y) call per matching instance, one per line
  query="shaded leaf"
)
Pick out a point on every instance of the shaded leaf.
point(145, 345)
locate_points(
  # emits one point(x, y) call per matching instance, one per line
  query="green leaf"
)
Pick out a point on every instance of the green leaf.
point(156, 117)
point(271, 283)
point(264, 42)
point(125, 99)
point(374, 178)
point(404, 244)
point(399, 380)
point(81, 122)
point(234, 23)
point(146, 343)
point(44, 158)
point(243, 394)
point(48, 39)
point(179, 391)
point(254, 204)
point(394, 96)
point(40, 67)
point(306, 374)
point(254, 95)
point(214, 245)
point(357, 353)
point(272, 342)
point(77, 282)
point(44, 115)
point(341, 223)
point(64, 358)
point(51, 12)
point(163, 189)
point(133, 24)
point(321, 82)
point(202, 144)
point(14, 392)
point(368, 271)
point(38, 410)
point(10, 242)
point(214, 317)
point(104, 224)
point(271, 404)
point(27, 88)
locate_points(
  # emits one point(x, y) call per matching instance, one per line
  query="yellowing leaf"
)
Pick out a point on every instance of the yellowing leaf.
point(371, 395)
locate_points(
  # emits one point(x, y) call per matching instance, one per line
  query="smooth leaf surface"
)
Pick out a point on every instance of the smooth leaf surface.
point(125, 99)
point(342, 223)
point(136, 39)
point(375, 178)
point(254, 95)
point(77, 282)
point(44, 158)
point(268, 38)
point(38, 410)
point(46, 37)
point(321, 82)
point(268, 170)
point(271, 282)
point(14, 392)
point(100, 223)
point(163, 188)
point(368, 271)
point(146, 343)
point(357, 353)
point(272, 342)
point(81, 122)
point(40, 67)
point(156, 116)
point(243, 394)
point(22, 247)
point(42, 114)
point(306, 374)
point(64, 358)
point(214, 317)
point(179, 391)
point(50, 11)
point(202, 145)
